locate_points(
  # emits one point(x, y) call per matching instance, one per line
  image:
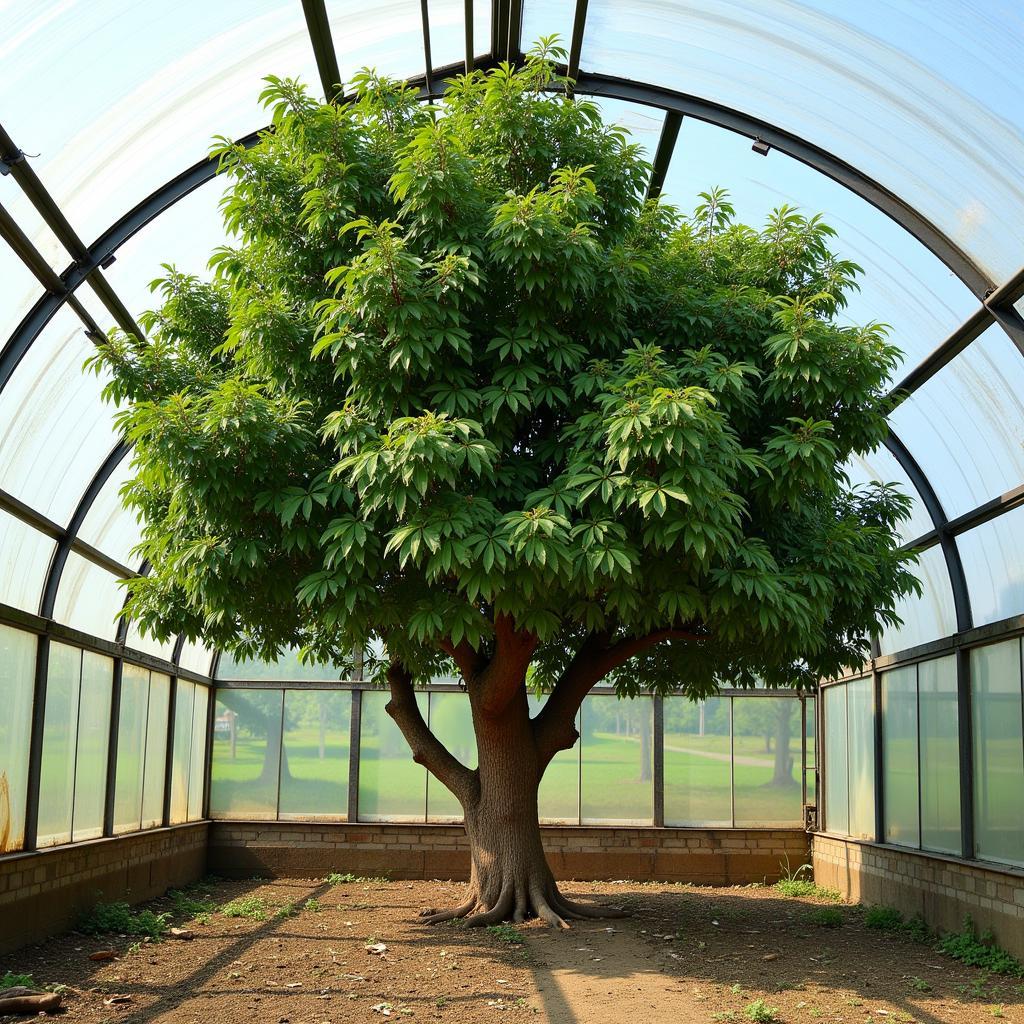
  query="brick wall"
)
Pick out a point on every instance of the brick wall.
point(943, 890)
point(45, 892)
point(707, 856)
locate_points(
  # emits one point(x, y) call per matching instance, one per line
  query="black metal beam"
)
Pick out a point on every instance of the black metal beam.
point(506, 30)
point(663, 157)
point(428, 61)
point(469, 41)
point(35, 750)
point(579, 24)
point(319, 27)
point(965, 731)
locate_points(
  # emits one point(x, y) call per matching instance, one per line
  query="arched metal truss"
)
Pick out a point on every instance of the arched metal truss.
point(996, 302)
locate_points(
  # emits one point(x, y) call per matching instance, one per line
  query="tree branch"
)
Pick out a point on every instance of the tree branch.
point(506, 671)
point(554, 727)
point(469, 661)
point(427, 749)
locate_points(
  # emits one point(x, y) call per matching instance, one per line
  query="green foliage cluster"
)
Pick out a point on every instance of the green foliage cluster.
point(889, 919)
point(980, 951)
point(338, 878)
point(827, 917)
point(253, 907)
point(188, 906)
point(121, 919)
point(761, 1013)
point(12, 980)
point(506, 933)
point(454, 365)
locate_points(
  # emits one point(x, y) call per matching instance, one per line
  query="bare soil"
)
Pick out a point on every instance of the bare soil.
point(687, 954)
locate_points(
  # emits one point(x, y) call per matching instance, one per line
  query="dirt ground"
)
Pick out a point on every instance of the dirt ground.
point(686, 954)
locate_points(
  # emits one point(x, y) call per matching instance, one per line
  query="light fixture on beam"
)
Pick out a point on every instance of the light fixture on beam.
point(760, 146)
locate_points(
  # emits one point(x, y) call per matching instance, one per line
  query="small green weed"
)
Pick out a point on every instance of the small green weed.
point(246, 906)
point(120, 919)
point(313, 905)
point(920, 985)
point(288, 910)
point(886, 919)
point(827, 917)
point(980, 951)
point(337, 878)
point(10, 980)
point(506, 933)
point(803, 887)
point(761, 1013)
point(188, 907)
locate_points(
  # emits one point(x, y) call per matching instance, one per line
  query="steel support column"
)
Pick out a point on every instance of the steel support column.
point(319, 27)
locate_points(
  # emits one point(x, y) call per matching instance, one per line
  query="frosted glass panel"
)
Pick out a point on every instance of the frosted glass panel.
point(899, 756)
point(57, 781)
point(24, 557)
point(452, 723)
point(998, 752)
point(181, 754)
point(642, 124)
point(93, 742)
point(131, 748)
point(698, 765)
point(391, 784)
point(993, 562)
point(17, 682)
point(245, 764)
point(859, 704)
point(89, 598)
point(617, 776)
point(559, 796)
point(287, 668)
point(195, 655)
point(767, 750)
point(197, 772)
point(836, 777)
point(448, 27)
point(156, 750)
point(928, 617)
point(387, 36)
point(316, 746)
point(108, 525)
point(881, 466)
point(940, 755)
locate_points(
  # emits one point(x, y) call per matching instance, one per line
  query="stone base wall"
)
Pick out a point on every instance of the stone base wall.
point(705, 856)
point(45, 892)
point(943, 890)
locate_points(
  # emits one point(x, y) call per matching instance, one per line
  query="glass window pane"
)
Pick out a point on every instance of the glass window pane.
point(19, 288)
point(156, 750)
point(195, 655)
point(197, 772)
point(133, 717)
point(558, 799)
point(940, 755)
point(181, 751)
point(698, 762)
point(314, 773)
point(810, 750)
point(245, 764)
point(998, 752)
point(24, 558)
point(881, 466)
point(929, 616)
point(994, 566)
point(387, 36)
point(88, 598)
point(859, 707)
point(766, 755)
point(899, 756)
point(452, 723)
point(287, 668)
point(617, 777)
point(17, 684)
point(147, 645)
point(93, 743)
point(643, 124)
point(108, 525)
point(836, 779)
point(57, 778)
point(448, 30)
point(392, 787)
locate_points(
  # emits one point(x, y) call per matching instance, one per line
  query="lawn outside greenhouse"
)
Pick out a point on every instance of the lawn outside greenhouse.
point(512, 509)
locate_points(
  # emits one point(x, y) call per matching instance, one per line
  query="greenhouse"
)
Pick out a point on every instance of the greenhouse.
point(286, 654)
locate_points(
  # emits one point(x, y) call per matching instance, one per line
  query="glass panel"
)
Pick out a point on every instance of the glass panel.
point(899, 756)
point(552, 17)
point(903, 284)
point(387, 36)
point(195, 655)
point(998, 752)
point(835, 770)
point(558, 798)
point(17, 684)
point(19, 288)
point(88, 598)
point(448, 30)
point(136, 642)
point(57, 777)
point(245, 762)
point(811, 750)
point(617, 760)
point(140, 113)
point(181, 751)
point(914, 115)
point(766, 756)
point(929, 616)
point(93, 742)
point(452, 723)
point(108, 525)
point(197, 772)
point(881, 466)
point(51, 415)
point(859, 705)
point(994, 566)
point(133, 717)
point(965, 426)
point(287, 668)
point(156, 750)
point(392, 787)
point(939, 739)
point(698, 762)
point(643, 124)
point(314, 774)
point(24, 558)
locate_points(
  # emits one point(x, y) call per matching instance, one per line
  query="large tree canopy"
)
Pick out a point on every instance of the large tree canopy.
point(457, 386)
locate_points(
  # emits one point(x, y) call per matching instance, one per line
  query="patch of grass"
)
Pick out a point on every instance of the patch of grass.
point(920, 985)
point(252, 907)
point(288, 910)
point(980, 951)
point(803, 887)
point(190, 908)
point(337, 878)
point(506, 933)
point(827, 917)
point(886, 919)
point(761, 1013)
point(120, 919)
point(10, 980)
point(313, 905)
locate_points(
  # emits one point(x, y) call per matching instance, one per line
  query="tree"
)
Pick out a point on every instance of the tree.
point(459, 392)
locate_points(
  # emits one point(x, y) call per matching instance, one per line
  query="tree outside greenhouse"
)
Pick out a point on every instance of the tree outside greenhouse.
point(461, 400)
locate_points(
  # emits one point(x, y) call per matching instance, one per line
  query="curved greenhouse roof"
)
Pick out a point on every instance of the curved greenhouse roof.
point(902, 121)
